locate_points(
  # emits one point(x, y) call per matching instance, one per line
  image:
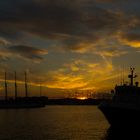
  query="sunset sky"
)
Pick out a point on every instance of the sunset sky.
point(68, 45)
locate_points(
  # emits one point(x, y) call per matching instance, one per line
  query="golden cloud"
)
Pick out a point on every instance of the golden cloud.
point(86, 76)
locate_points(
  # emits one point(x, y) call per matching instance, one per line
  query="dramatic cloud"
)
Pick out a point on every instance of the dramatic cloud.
point(87, 40)
point(25, 52)
point(28, 52)
point(108, 1)
point(78, 26)
point(81, 75)
point(55, 18)
point(131, 39)
point(3, 42)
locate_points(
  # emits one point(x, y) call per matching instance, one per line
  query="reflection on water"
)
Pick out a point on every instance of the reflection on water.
point(53, 123)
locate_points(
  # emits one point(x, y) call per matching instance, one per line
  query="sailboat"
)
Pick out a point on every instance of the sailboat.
point(21, 102)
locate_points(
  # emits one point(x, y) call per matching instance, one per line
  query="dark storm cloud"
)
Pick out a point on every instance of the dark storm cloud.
point(132, 36)
point(104, 1)
point(40, 17)
point(112, 1)
point(55, 17)
point(69, 21)
point(27, 52)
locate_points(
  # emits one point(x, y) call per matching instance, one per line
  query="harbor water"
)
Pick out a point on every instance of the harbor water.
point(54, 123)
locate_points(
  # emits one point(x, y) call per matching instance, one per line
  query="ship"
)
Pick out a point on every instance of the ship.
point(21, 102)
point(123, 110)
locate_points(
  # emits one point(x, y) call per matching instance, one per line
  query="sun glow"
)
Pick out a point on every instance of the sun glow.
point(82, 98)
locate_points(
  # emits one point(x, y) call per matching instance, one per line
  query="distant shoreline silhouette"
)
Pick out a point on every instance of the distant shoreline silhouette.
point(74, 101)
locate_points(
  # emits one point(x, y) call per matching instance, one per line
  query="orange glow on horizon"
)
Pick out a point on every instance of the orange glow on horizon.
point(82, 98)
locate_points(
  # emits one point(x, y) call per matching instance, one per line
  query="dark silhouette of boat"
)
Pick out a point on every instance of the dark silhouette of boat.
point(22, 102)
point(130, 133)
point(124, 108)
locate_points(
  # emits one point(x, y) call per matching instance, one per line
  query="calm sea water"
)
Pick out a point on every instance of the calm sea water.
point(61, 123)
point(53, 123)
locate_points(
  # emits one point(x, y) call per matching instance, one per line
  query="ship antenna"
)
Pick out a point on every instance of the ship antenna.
point(132, 76)
point(6, 96)
point(15, 86)
point(26, 91)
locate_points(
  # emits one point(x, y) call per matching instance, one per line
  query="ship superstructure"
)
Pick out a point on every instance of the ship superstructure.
point(124, 109)
point(128, 93)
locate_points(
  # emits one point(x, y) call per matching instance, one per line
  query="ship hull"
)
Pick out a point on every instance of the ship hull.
point(18, 106)
point(28, 102)
point(120, 116)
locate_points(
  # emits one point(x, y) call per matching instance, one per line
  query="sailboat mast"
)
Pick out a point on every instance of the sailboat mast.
point(26, 91)
point(6, 96)
point(15, 85)
point(40, 90)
